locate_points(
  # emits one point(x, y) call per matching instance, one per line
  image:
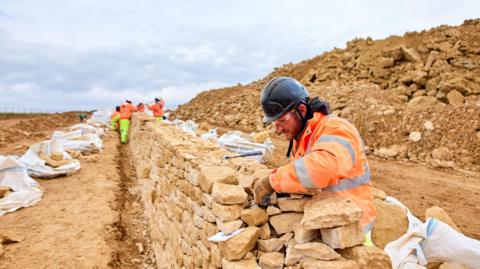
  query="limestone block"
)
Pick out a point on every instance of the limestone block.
point(291, 205)
point(283, 223)
point(367, 257)
point(391, 223)
point(344, 236)
point(271, 245)
point(208, 215)
point(228, 194)
point(254, 216)
point(292, 256)
point(272, 260)
point(303, 235)
point(229, 227)
point(212, 174)
point(198, 257)
point(207, 200)
point(227, 212)
point(265, 231)
point(271, 210)
point(241, 264)
point(336, 264)
point(327, 210)
point(215, 255)
point(236, 247)
point(317, 250)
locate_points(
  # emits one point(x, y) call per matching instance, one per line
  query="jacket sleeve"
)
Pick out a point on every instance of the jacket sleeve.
point(331, 158)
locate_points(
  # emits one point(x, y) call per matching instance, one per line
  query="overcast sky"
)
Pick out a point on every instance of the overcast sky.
point(86, 54)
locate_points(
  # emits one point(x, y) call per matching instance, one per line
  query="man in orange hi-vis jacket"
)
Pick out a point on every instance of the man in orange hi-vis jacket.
point(328, 152)
point(157, 108)
point(115, 118)
point(126, 110)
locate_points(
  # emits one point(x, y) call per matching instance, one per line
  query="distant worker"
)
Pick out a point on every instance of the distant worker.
point(115, 118)
point(328, 152)
point(126, 110)
point(141, 107)
point(157, 108)
point(82, 117)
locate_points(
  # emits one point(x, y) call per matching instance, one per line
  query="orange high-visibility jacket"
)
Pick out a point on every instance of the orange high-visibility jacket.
point(126, 110)
point(157, 109)
point(141, 108)
point(114, 114)
point(329, 156)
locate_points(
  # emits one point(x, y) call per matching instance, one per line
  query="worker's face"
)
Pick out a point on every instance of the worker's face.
point(288, 125)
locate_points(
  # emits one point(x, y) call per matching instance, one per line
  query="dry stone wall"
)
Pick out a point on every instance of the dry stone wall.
point(191, 193)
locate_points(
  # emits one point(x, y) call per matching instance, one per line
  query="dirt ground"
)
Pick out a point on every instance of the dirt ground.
point(91, 219)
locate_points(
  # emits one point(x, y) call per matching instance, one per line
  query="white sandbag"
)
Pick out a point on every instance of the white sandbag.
point(87, 129)
point(100, 117)
point(188, 126)
point(433, 241)
point(79, 141)
point(240, 143)
point(26, 191)
point(37, 167)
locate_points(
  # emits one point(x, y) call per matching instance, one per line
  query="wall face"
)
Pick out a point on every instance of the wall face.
point(175, 170)
point(190, 194)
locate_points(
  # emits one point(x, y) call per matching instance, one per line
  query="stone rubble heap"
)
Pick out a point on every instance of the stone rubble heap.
point(191, 193)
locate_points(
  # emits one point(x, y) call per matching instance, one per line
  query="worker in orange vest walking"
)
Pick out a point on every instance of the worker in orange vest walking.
point(141, 107)
point(328, 152)
point(126, 110)
point(157, 108)
point(115, 118)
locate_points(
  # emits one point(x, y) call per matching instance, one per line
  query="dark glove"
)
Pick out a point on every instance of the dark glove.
point(262, 191)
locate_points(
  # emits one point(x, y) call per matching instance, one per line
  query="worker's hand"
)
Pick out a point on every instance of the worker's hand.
point(262, 191)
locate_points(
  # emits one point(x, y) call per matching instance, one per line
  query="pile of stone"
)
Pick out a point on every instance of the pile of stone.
point(191, 194)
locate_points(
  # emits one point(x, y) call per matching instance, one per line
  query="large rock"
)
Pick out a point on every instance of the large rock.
point(212, 174)
point(317, 250)
point(336, 264)
point(367, 257)
point(236, 247)
point(254, 216)
point(241, 264)
point(230, 226)
point(390, 224)
point(227, 212)
point(344, 236)
point(442, 154)
point(283, 223)
point(455, 98)
point(422, 101)
point(327, 210)
point(272, 260)
point(228, 194)
point(411, 55)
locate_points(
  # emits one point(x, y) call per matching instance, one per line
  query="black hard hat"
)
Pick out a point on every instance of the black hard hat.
point(280, 95)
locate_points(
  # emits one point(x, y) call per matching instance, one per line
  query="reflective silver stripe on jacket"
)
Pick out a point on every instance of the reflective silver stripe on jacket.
point(342, 141)
point(302, 174)
point(350, 183)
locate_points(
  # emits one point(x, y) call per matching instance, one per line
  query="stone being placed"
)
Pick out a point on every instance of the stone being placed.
point(327, 210)
point(290, 205)
point(254, 216)
point(344, 236)
point(227, 194)
point(236, 247)
point(367, 257)
point(210, 174)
